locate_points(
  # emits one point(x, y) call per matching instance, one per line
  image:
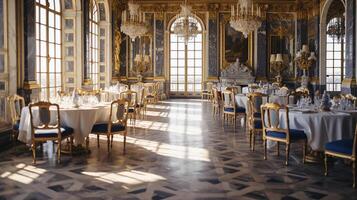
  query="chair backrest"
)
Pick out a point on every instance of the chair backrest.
point(130, 96)
point(270, 115)
point(209, 86)
point(44, 116)
point(118, 112)
point(140, 90)
point(150, 88)
point(215, 96)
point(255, 100)
point(284, 91)
point(228, 99)
point(16, 103)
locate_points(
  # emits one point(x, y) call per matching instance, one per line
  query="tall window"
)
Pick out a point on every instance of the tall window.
point(186, 63)
point(335, 59)
point(48, 47)
point(93, 47)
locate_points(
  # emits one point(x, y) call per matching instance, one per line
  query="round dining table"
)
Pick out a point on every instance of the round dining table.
point(320, 127)
point(81, 119)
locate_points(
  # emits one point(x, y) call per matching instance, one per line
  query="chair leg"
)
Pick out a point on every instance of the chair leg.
point(326, 169)
point(250, 139)
point(98, 140)
point(111, 142)
point(278, 148)
point(108, 142)
point(354, 174)
point(287, 154)
point(33, 148)
point(59, 151)
point(71, 145)
point(265, 149)
point(253, 141)
point(124, 143)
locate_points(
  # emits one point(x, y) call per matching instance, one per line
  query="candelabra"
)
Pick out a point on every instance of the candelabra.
point(142, 64)
point(277, 64)
point(305, 59)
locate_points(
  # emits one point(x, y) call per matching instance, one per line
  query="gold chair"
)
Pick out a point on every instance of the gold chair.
point(151, 92)
point(43, 128)
point(141, 103)
point(346, 149)
point(16, 103)
point(117, 123)
point(230, 109)
point(272, 130)
point(131, 97)
point(255, 100)
point(207, 93)
point(216, 101)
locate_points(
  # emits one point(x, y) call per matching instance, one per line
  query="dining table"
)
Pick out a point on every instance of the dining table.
point(320, 127)
point(81, 119)
point(242, 100)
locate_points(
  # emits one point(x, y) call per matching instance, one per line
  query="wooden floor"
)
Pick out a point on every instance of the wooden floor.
point(179, 151)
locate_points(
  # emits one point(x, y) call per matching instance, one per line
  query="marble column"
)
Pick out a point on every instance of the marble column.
point(213, 51)
point(159, 45)
point(85, 8)
point(349, 83)
point(261, 72)
point(30, 87)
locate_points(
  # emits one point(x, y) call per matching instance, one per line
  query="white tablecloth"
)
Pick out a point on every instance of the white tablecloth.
point(242, 100)
point(80, 119)
point(321, 127)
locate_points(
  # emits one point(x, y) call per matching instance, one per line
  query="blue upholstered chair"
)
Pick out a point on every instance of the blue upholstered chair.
point(255, 100)
point(44, 128)
point(230, 109)
point(272, 130)
point(346, 149)
point(16, 103)
point(117, 123)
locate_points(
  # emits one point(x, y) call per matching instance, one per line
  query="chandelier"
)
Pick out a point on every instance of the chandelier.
point(185, 26)
point(133, 22)
point(245, 17)
point(336, 28)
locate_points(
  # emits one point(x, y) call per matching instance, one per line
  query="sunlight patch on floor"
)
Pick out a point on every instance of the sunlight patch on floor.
point(132, 177)
point(164, 149)
point(25, 174)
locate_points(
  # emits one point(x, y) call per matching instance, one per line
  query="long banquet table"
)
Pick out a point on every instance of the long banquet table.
point(80, 119)
point(242, 100)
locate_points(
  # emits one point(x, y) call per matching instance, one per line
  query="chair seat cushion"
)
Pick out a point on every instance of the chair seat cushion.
point(238, 110)
point(16, 126)
point(50, 133)
point(294, 134)
point(258, 124)
point(344, 146)
point(131, 110)
point(103, 128)
point(149, 96)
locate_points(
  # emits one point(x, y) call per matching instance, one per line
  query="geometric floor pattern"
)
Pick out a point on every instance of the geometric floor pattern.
point(178, 151)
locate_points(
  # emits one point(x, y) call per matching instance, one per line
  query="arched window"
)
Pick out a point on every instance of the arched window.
point(93, 47)
point(48, 47)
point(186, 63)
point(335, 57)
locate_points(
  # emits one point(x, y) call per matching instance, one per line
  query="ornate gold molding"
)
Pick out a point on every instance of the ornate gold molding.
point(29, 85)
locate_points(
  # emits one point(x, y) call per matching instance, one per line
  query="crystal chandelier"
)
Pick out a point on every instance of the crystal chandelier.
point(133, 22)
point(245, 17)
point(336, 28)
point(185, 26)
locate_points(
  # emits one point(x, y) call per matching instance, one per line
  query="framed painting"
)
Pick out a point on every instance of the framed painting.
point(233, 45)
